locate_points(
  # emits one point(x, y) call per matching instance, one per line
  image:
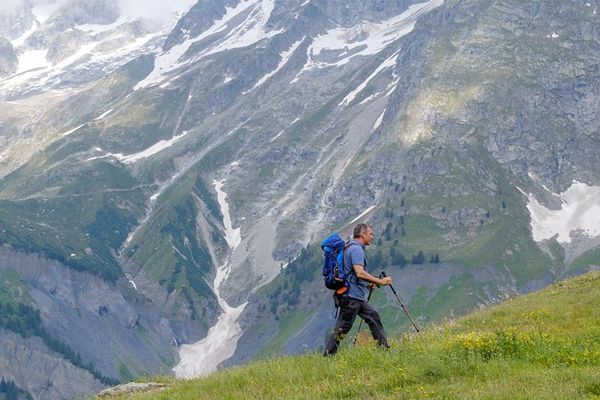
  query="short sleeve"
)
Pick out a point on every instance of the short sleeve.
point(357, 255)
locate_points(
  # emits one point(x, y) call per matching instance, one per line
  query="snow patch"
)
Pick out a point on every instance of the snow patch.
point(362, 214)
point(389, 62)
point(368, 99)
point(276, 136)
point(32, 59)
point(250, 31)
point(150, 151)
point(156, 148)
point(580, 211)
point(21, 39)
point(232, 236)
point(377, 123)
point(238, 126)
point(283, 131)
point(35, 73)
point(154, 197)
point(104, 115)
point(33, 64)
point(94, 29)
point(133, 285)
point(170, 60)
point(285, 56)
point(539, 181)
point(219, 344)
point(366, 38)
point(391, 87)
point(72, 130)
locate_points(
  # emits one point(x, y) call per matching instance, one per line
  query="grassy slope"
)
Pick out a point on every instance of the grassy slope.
point(543, 345)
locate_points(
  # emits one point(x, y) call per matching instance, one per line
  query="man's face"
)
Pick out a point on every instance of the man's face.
point(368, 237)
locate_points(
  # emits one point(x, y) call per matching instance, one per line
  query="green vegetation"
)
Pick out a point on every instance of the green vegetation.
point(13, 288)
point(10, 391)
point(82, 228)
point(543, 345)
point(171, 247)
point(290, 324)
point(405, 239)
point(285, 292)
point(469, 214)
point(590, 257)
point(170, 251)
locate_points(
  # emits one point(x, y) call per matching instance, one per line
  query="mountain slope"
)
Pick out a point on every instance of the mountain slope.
point(186, 172)
point(542, 345)
point(448, 190)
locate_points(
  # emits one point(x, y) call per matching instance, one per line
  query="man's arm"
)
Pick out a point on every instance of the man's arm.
point(365, 276)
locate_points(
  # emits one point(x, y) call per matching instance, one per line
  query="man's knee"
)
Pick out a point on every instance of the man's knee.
point(372, 316)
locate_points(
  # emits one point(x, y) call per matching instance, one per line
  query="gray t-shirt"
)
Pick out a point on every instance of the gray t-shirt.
point(355, 255)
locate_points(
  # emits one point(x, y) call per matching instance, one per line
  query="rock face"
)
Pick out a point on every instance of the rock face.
point(65, 44)
point(198, 19)
point(111, 326)
point(8, 59)
point(60, 35)
point(131, 388)
point(40, 371)
point(440, 118)
point(78, 12)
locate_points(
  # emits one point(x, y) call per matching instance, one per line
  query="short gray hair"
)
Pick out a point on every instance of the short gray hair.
point(360, 230)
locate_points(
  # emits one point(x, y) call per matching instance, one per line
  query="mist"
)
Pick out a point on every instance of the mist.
point(154, 9)
point(160, 10)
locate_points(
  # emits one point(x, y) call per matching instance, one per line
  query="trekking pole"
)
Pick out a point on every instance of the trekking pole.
point(403, 307)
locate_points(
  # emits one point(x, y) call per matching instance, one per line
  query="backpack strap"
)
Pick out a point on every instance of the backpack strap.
point(344, 255)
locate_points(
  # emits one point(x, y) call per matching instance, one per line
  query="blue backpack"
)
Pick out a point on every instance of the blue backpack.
point(335, 274)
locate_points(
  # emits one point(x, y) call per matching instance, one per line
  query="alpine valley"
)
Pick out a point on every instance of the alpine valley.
point(168, 170)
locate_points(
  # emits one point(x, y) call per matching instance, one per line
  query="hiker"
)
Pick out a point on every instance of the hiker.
point(353, 301)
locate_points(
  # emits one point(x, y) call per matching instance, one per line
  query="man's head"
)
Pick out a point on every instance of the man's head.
point(363, 233)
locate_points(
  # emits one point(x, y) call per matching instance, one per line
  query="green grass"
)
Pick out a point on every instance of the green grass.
point(590, 257)
point(289, 325)
point(460, 294)
point(544, 345)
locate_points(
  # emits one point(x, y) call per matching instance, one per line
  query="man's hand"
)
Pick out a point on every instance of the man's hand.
point(386, 281)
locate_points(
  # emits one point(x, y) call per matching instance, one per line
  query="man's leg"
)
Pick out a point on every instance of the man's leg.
point(348, 310)
point(372, 318)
